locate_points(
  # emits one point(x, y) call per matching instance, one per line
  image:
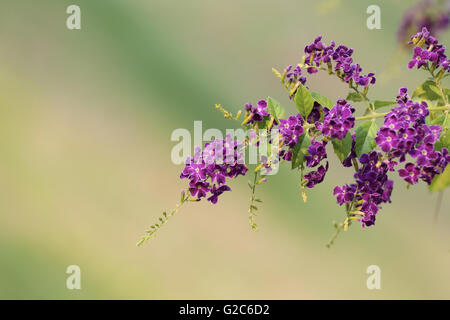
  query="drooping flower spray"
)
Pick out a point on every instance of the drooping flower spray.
point(412, 142)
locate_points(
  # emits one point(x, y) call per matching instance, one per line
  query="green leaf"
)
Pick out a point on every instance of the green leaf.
point(444, 141)
point(439, 120)
point(380, 104)
point(435, 89)
point(304, 101)
point(343, 147)
point(353, 96)
point(428, 91)
point(365, 135)
point(299, 151)
point(377, 104)
point(447, 93)
point(275, 108)
point(441, 181)
point(323, 101)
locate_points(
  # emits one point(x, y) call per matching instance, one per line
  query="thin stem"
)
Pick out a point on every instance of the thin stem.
point(335, 235)
point(438, 85)
point(362, 95)
point(371, 116)
point(252, 203)
point(163, 220)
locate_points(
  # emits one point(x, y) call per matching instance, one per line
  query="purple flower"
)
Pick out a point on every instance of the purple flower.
point(410, 173)
point(290, 130)
point(338, 121)
point(428, 50)
point(318, 53)
point(199, 188)
point(256, 113)
point(295, 75)
point(316, 152)
point(193, 171)
point(402, 97)
point(344, 194)
point(405, 133)
point(419, 59)
point(386, 139)
point(316, 111)
point(286, 155)
point(371, 188)
point(216, 192)
point(315, 177)
point(207, 172)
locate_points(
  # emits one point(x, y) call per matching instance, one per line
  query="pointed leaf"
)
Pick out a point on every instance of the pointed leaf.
point(428, 91)
point(300, 149)
point(343, 147)
point(365, 137)
point(323, 101)
point(442, 181)
point(380, 104)
point(443, 142)
point(303, 101)
point(353, 96)
point(275, 108)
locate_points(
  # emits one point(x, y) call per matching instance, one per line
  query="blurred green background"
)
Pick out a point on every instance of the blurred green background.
point(85, 124)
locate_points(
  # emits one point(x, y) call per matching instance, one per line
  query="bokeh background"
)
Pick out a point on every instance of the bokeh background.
point(85, 124)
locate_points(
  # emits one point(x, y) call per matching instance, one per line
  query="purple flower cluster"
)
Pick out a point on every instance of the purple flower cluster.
point(294, 75)
point(316, 153)
point(256, 113)
point(431, 14)
point(315, 177)
point(318, 53)
point(405, 133)
point(338, 121)
point(316, 113)
point(208, 170)
point(290, 130)
point(371, 188)
point(428, 49)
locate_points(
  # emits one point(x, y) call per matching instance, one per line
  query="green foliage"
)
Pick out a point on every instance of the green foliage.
point(253, 209)
point(427, 91)
point(365, 137)
point(447, 93)
point(354, 96)
point(377, 104)
point(303, 101)
point(323, 101)
point(441, 181)
point(275, 108)
point(300, 150)
point(343, 147)
point(438, 120)
point(162, 220)
point(444, 141)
